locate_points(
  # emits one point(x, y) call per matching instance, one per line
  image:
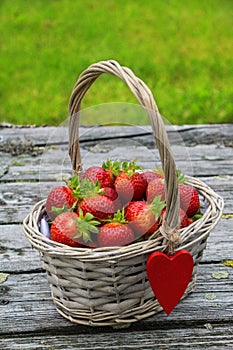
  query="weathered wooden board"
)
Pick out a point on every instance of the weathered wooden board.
point(190, 134)
point(201, 160)
point(57, 171)
point(192, 338)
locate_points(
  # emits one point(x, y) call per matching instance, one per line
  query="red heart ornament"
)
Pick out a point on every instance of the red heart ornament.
point(169, 276)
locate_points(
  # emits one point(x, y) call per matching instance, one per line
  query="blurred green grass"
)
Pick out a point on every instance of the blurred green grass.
point(181, 50)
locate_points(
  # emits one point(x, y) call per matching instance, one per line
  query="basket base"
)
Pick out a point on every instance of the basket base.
point(103, 318)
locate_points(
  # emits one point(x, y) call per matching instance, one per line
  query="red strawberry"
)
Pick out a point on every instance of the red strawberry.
point(103, 176)
point(60, 199)
point(115, 234)
point(64, 228)
point(99, 206)
point(150, 175)
point(73, 229)
point(155, 188)
point(93, 200)
point(111, 193)
point(184, 220)
point(189, 199)
point(143, 217)
point(129, 184)
point(130, 188)
point(154, 174)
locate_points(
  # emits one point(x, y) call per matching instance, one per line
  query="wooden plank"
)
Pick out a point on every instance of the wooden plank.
point(201, 160)
point(26, 305)
point(206, 164)
point(16, 254)
point(204, 336)
point(190, 134)
point(57, 171)
point(101, 146)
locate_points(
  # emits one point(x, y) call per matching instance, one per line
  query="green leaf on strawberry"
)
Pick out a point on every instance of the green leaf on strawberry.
point(88, 188)
point(181, 177)
point(157, 205)
point(113, 166)
point(130, 167)
point(119, 216)
point(86, 224)
point(57, 211)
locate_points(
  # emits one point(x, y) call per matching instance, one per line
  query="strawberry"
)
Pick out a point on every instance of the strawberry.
point(189, 200)
point(184, 220)
point(129, 184)
point(64, 228)
point(154, 174)
point(73, 229)
point(97, 173)
point(143, 217)
point(116, 232)
point(60, 198)
point(99, 206)
point(94, 202)
point(150, 175)
point(111, 193)
point(155, 188)
point(105, 175)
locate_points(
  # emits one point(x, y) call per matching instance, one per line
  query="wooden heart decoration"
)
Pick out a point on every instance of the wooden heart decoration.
point(169, 276)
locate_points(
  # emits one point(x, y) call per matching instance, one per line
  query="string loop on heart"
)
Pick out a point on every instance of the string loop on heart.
point(171, 235)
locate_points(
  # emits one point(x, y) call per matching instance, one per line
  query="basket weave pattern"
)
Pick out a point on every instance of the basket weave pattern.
point(109, 286)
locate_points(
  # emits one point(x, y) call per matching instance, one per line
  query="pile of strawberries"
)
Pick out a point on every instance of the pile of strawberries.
point(115, 204)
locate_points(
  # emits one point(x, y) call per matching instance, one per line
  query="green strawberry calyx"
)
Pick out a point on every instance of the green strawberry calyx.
point(84, 188)
point(86, 224)
point(180, 176)
point(74, 185)
point(113, 166)
point(157, 206)
point(130, 168)
point(118, 217)
point(197, 216)
point(88, 188)
point(57, 211)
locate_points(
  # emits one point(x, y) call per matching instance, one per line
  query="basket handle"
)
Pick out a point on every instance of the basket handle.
point(145, 97)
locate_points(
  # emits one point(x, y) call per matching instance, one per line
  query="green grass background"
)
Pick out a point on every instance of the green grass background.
point(181, 49)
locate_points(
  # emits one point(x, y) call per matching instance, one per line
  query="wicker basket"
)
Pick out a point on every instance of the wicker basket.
point(109, 286)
